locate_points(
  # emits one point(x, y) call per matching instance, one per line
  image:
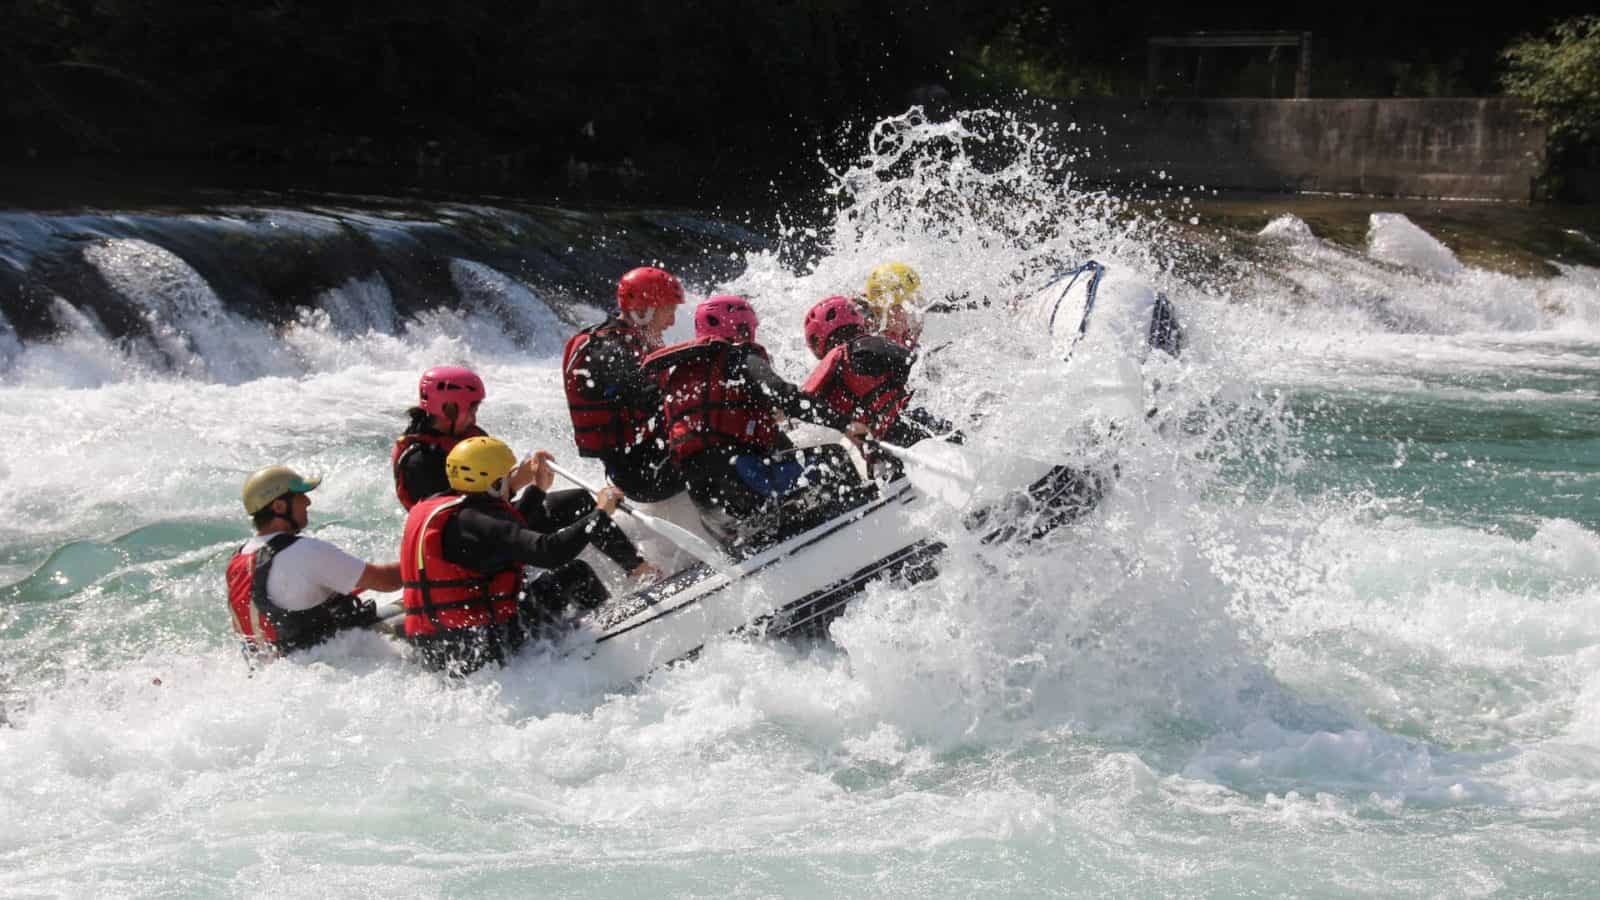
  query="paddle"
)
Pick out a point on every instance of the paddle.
point(683, 538)
point(391, 619)
point(938, 469)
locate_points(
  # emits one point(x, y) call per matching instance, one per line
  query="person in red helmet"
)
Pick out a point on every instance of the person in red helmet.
point(448, 399)
point(615, 409)
point(720, 402)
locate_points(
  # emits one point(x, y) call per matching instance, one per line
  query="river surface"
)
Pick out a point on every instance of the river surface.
point(1334, 632)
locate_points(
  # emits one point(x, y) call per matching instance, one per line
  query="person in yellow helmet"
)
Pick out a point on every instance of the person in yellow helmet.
point(286, 591)
point(894, 299)
point(463, 552)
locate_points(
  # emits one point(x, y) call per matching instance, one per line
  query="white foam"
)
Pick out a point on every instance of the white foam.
point(1207, 676)
point(187, 322)
point(1288, 229)
point(360, 306)
point(1393, 238)
point(515, 303)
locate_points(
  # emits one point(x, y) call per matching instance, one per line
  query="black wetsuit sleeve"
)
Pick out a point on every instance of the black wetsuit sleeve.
point(548, 513)
point(874, 355)
point(530, 503)
point(614, 374)
point(787, 397)
point(422, 472)
point(487, 540)
point(955, 302)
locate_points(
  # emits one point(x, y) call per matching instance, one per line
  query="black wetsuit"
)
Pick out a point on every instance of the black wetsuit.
point(423, 471)
point(421, 466)
point(645, 472)
point(756, 514)
point(484, 536)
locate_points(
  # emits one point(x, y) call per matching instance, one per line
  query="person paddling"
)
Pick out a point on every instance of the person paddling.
point(463, 552)
point(615, 408)
point(448, 401)
point(720, 400)
point(287, 591)
point(862, 376)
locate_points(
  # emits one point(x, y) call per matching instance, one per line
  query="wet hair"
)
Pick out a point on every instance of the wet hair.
point(264, 516)
point(421, 420)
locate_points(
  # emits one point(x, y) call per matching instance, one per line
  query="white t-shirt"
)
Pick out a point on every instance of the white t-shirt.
point(308, 573)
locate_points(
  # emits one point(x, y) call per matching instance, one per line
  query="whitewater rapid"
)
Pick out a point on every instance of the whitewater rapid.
point(1335, 631)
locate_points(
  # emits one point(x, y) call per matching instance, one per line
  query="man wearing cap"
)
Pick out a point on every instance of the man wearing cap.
point(286, 591)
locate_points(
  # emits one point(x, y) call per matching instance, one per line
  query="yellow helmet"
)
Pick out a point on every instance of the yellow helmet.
point(477, 463)
point(268, 484)
point(892, 284)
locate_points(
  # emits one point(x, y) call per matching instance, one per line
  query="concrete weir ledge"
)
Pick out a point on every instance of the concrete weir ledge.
point(1462, 148)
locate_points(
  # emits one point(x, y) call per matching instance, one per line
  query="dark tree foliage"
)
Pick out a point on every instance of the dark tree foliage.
point(696, 84)
point(509, 74)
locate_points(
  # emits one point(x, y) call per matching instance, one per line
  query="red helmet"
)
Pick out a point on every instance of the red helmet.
point(647, 287)
point(723, 316)
point(829, 315)
point(448, 384)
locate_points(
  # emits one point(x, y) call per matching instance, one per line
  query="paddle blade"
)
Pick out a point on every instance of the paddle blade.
point(942, 471)
point(687, 540)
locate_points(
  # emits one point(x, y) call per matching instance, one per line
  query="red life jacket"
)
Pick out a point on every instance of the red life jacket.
point(246, 577)
point(404, 444)
point(439, 595)
point(608, 424)
point(703, 407)
point(264, 625)
point(873, 400)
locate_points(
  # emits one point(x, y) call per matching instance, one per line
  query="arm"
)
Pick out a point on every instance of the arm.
point(341, 575)
point(953, 302)
point(484, 541)
point(873, 355)
point(614, 374)
point(787, 397)
point(531, 504)
point(382, 577)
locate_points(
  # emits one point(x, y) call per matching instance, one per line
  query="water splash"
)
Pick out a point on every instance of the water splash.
point(10, 344)
point(360, 306)
point(1393, 238)
point(1220, 661)
point(187, 323)
point(522, 311)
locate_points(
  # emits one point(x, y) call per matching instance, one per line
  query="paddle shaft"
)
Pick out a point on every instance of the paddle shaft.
point(681, 537)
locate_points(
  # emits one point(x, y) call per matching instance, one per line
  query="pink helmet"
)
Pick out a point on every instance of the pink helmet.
point(448, 384)
point(723, 316)
point(829, 315)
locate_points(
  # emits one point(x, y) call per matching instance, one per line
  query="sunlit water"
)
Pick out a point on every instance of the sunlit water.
point(1336, 630)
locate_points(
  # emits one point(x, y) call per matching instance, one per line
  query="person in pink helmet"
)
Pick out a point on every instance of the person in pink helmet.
point(448, 399)
point(863, 375)
point(446, 414)
point(720, 403)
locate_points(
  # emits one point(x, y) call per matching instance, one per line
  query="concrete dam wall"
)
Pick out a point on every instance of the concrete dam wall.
point(1450, 147)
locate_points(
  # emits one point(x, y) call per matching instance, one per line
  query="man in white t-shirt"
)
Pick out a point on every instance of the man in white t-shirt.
point(288, 592)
